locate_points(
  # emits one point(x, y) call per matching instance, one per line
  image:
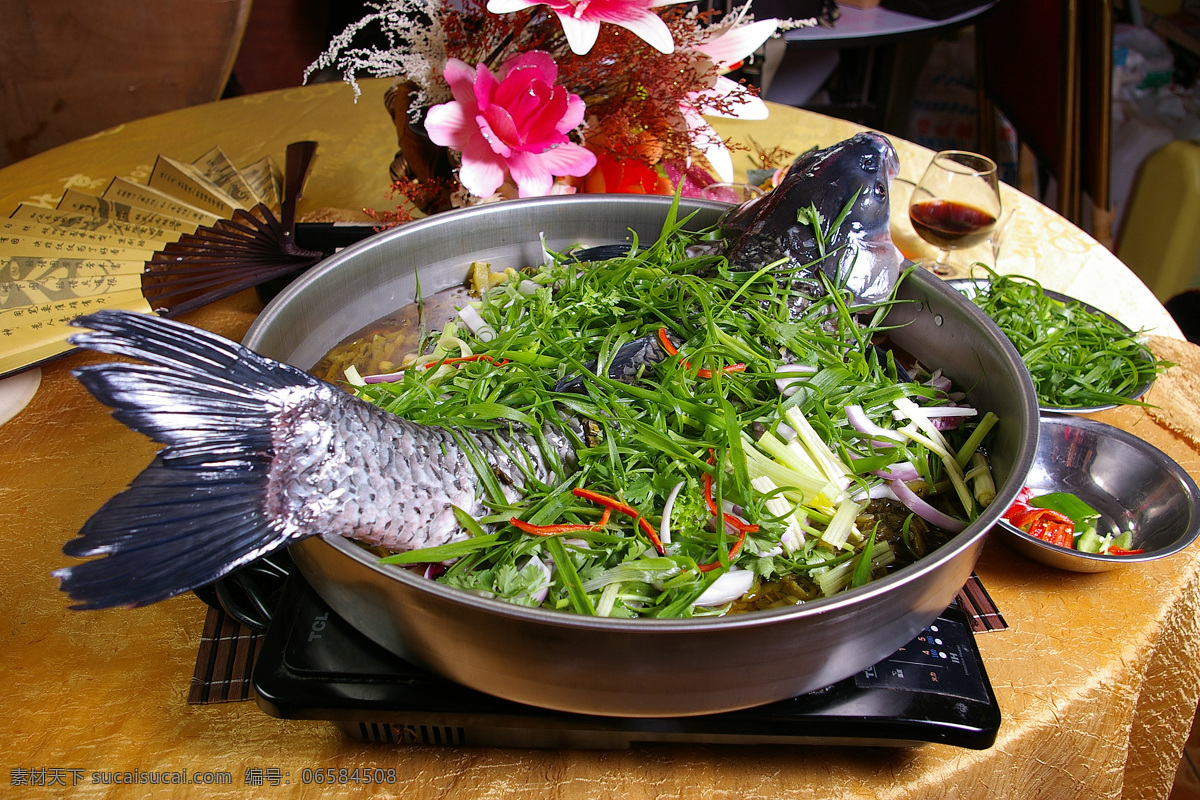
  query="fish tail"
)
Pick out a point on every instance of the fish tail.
point(198, 511)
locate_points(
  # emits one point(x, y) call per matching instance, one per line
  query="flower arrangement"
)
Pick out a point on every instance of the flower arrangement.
point(536, 97)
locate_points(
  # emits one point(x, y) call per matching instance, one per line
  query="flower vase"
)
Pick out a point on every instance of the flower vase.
point(418, 160)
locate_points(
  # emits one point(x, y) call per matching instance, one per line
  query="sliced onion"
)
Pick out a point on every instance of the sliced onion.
point(388, 378)
point(540, 596)
point(938, 381)
point(791, 539)
point(900, 471)
point(727, 588)
point(664, 529)
point(789, 386)
point(942, 418)
point(880, 491)
point(859, 420)
point(925, 511)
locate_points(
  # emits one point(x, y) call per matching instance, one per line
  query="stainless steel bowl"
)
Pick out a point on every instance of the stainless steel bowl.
point(640, 668)
point(1132, 484)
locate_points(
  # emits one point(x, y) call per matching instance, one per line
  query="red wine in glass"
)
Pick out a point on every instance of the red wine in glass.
point(949, 223)
point(955, 204)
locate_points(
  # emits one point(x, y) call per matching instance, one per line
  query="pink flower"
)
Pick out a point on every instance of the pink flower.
point(515, 124)
point(581, 19)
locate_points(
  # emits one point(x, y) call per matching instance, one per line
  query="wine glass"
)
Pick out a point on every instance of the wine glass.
point(955, 204)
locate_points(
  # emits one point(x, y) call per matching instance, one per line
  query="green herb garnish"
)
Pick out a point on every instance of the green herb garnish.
point(710, 419)
point(1077, 358)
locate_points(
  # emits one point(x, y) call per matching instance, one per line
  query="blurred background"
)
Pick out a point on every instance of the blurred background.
point(1088, 105)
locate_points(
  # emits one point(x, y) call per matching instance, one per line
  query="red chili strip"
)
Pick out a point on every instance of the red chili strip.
point(629, 511)
point(476, 357)
point(733, 551)
point(666, 343)
point(1121, 551)
point(702, 372)
point(707, 373)
point(1026, 517)
point(554, 530)
point(739, 525)
point(1053, 531)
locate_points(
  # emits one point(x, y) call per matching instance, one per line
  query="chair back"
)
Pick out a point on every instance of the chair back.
point(70, 69)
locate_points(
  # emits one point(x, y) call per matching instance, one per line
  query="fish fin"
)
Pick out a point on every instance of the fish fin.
point(185, 349)
point(176, 528)
point(198, 511)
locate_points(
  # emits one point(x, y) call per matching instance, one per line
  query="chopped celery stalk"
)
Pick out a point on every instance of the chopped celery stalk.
point(838, 577)
point(784, 472)
point(1123, 541)
point(781, 452)
point(608, 599)
point(932, 438)
point(842, 524)
point(826, 460)
point(1089, 542)
point(835, 579)
point(797, 450)
point(976, 438)
point(883, 555)
point(952, 469)
point(793, 535)
point(981, 471)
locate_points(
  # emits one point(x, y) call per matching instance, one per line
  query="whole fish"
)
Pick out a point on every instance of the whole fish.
point(259, 454)
point(853, 176)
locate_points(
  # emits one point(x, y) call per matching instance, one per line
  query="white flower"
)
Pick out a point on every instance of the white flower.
point(581, 19)
point(731, 44)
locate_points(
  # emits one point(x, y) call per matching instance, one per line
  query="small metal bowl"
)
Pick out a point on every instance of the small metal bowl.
point(968, 285)
point(1133, 485)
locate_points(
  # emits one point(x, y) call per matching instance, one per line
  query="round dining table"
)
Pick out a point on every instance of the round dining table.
point(1096, 676)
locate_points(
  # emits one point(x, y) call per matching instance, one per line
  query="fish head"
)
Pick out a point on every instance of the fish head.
point(853, 177)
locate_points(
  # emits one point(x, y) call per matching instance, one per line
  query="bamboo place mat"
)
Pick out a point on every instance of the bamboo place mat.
point(225, 661)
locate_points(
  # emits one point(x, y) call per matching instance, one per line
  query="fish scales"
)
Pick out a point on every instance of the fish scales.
point(348, 468)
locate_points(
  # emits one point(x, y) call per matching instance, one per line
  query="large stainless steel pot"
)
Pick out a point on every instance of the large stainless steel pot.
point(641, 668)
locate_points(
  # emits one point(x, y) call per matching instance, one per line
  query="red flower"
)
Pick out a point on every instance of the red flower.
point(626, 176)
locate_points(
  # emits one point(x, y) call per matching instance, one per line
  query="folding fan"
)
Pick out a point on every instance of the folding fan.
point(193, 234)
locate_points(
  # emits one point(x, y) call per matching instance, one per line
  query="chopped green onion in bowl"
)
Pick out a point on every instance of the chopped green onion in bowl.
point(1081, 359)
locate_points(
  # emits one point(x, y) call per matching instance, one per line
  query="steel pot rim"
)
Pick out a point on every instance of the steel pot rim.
point(769, 617)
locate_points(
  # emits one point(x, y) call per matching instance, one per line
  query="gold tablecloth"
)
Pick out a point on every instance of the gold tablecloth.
point(1097, 676)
